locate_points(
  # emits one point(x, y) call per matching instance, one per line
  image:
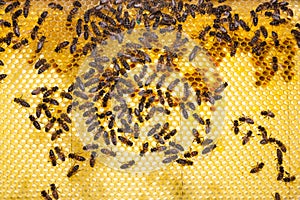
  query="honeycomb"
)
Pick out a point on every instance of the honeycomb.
point(149, 99)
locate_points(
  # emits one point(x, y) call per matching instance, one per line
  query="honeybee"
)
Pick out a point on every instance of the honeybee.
point(52, 157)
point(72, 171)
point(54, 191)
point(257, 168)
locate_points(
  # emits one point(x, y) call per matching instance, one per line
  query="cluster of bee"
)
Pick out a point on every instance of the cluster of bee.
point(265, 139)
point(108, 20)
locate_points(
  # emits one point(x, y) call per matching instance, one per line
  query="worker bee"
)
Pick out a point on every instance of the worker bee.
point(93, 158)
point(61, 45)
point(22, 102)
point(145, 148)
point(45, 195)
point(184, 162)
point(17, 14)
point(190, 154)
point(38, 90)
point(34, 122)
point(267, 113)
point(246, 138)
point(108, 152)
point(11, 6)
point(55, 6)
point(41, 19)
point(43, 68)
point(246, 119)
point(52, 157)
point(59, 153)
point(289, 179)
point(26, 8)
point(207, 126)
point(56, 134)
point(18, 45)
point(66, 118)
point(73, 170)
point(76, 157)
point(221, 87)
point(257, 168)
point(2, 76)
point(127, 165)
point(281, 145)
point(196, 134)
point(54, 191)
point(125, 140)
point(204, 32)
point(169, 159)
point(254, 17)
point(90, 147)
point(208, 149)
point(236, 125)
point(34, 32)
point(277, 196)
point(280, 173)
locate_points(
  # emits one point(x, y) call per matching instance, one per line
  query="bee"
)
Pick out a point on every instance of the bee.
point(221, 87)
point(34, 122)
point(2, 76)
point(43, 68)
point(236, 125)
point(198, 118)
point(59, 153)
point(280, 145)
point(66, 95)
point(26, 8)
point(127, 165)
point(88, 47)
point(264, 134)
point(34, 32)
point(5, 23)
point(257, 168)
point(54, 191)
point(79, 27)
point(52, 157)
point(1, 63)
point(108, 152)
point(246, 119)
point(56, 134)
point(267, 113)
point(279, 156)
point(208, 149)
point(72, 12)
point(264, 31)
point(22, 102)
point(196, 134)
point(234, 48)
point(95, 29)
point(42, 18)
point(11, 6)
point(254, 17)
point(169, 159)
point(40, 44)
point(263, 6)
point(16, 28)
point(76, 157)
point(289, 179)
point(114, 138)
point(86, 32)
point(190, 154)
point(90, 147)
point(93, 158)
point(66, 118)
point(244, 25)
point(73, 170)
point(77, 4)
point(55, 6)
point(158, 149)
point(125, 140)
point(20, 44)
point(277, 196)
point(204, 32)
point(207, 126)
point(50, 92)
point(246, 138)
point(170, 134)
point(38, 90)
point(145, 148)
point(280, 173)
point(17, 14)
point(275, 38)
point(184, 162)
point(61, 45)
point(50, 124)
point(193, 53)
point(45, 195)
